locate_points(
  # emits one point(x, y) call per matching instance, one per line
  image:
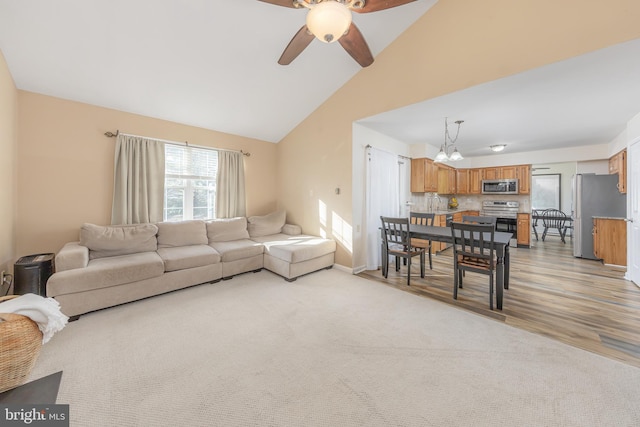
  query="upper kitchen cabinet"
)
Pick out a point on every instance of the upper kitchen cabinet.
point(523, 173)
point(618, 165)
point(462, 181)
point(520, 172)
point(424, 176)
point(491, 173)
point(446, 180)
point(509, 172)
point(417, 176)
point(475, 181)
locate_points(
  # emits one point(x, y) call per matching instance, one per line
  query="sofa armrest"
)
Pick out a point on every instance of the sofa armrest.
point(72, 255)
point(291, 229)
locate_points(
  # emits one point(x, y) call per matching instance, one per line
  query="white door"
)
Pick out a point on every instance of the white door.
point(633, 202)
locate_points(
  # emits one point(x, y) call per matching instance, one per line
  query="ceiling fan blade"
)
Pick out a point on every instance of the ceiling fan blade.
point(283, 3)
point(376, 5)
point(297, 44)
point(353, 42)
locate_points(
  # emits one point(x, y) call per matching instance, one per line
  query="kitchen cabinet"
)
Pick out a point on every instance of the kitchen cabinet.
point(523, 173)
point(523, 229)
point(431, 176)
point(610, 240)
point(417, 176)
point(618, 165)
point(446, 180)
point(491, 173)
point(475, 181)
point(508, 172)
point(462, 181)
point(439, 221)
point(424, 176)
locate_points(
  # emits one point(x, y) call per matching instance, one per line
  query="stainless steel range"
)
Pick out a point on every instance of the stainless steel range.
point(505, 212)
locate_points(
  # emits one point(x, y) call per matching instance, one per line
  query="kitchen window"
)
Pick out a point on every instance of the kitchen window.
point(190, 183)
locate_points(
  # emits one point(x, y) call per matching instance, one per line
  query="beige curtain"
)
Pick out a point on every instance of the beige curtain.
point(230, 195)
point(138, 189)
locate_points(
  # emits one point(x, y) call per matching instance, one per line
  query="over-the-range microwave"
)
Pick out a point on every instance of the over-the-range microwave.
point(500, 186)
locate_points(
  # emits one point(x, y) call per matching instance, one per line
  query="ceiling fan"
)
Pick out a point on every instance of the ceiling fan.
point(330, 21)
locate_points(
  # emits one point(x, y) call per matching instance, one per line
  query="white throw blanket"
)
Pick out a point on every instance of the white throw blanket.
point(44, 311)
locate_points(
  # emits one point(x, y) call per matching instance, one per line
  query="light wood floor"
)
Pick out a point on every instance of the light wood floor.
point(579, 302)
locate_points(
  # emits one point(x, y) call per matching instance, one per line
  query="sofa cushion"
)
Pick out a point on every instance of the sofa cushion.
point(183, 257)
point(298, 248)
point(225, 230)
point(267, 224)
point(182, 233)
point(106, 272)
point(237, 249)
point(114, 240)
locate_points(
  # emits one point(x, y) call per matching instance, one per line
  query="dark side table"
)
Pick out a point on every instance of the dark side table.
point(42, 391)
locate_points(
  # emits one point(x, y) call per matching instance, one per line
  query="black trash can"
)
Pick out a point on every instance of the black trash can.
point(31, 273)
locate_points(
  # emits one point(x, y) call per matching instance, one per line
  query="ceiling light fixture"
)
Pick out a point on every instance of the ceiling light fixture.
point(329, 20)
point(444, 155)
point(498, 147)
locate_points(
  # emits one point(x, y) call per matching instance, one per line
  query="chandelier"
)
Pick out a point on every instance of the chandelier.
point(443, 155)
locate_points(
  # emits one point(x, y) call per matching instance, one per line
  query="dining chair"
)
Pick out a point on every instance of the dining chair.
point(554, 219)
point(478, 219)
point(397, 242)
point(422, 218)
point(473, 251)
point(534, 221)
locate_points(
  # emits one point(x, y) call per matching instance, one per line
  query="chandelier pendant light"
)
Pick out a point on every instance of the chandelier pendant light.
point(443, 155)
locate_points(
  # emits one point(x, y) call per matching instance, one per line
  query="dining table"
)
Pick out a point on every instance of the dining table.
point(501, 244)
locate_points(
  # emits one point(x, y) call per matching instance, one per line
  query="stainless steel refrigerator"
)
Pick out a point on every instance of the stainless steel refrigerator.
point(593, 195)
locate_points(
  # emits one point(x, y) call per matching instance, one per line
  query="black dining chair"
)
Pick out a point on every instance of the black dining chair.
point(535, 214)
point(397, 242)
point(554, 219)
point(473, 251)
point(422, 218)
point(478, 219)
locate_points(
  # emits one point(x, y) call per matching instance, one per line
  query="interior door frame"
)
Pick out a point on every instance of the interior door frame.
point(633, 212)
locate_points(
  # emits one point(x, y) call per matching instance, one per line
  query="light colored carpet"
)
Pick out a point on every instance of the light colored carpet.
point(331, 349)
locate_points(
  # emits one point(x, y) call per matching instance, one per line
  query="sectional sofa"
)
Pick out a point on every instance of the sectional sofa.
point(111, 265)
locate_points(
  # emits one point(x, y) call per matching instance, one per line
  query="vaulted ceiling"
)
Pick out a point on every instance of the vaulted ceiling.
point(213, 64)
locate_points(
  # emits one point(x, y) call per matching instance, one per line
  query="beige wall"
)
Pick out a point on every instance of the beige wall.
point(455, 45)
point(8, 169)
point(66, 166)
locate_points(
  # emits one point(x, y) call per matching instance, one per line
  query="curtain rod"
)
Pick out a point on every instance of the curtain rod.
point(110, 134)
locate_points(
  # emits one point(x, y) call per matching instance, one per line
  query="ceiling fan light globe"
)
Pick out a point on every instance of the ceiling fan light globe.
point(328, 21)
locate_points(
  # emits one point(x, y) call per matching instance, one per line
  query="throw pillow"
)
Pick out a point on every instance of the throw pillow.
point(267, 224)
point(114, 240)
point(182, 233)
point(228, 229)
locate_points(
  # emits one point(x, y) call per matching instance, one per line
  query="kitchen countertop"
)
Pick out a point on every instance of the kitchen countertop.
point(609, 217)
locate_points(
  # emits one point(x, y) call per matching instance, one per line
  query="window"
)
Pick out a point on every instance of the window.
point(545, 191)
point(190, 183)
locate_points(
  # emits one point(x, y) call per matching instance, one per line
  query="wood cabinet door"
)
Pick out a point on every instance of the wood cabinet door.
point(524, 179)
point(462, 181)
point(610, 240)
point(446, 180)
point(491, 173)
point(524, 229)
point(509, 172)
point(475, 181)
point(417, 176)
point(431, 176)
